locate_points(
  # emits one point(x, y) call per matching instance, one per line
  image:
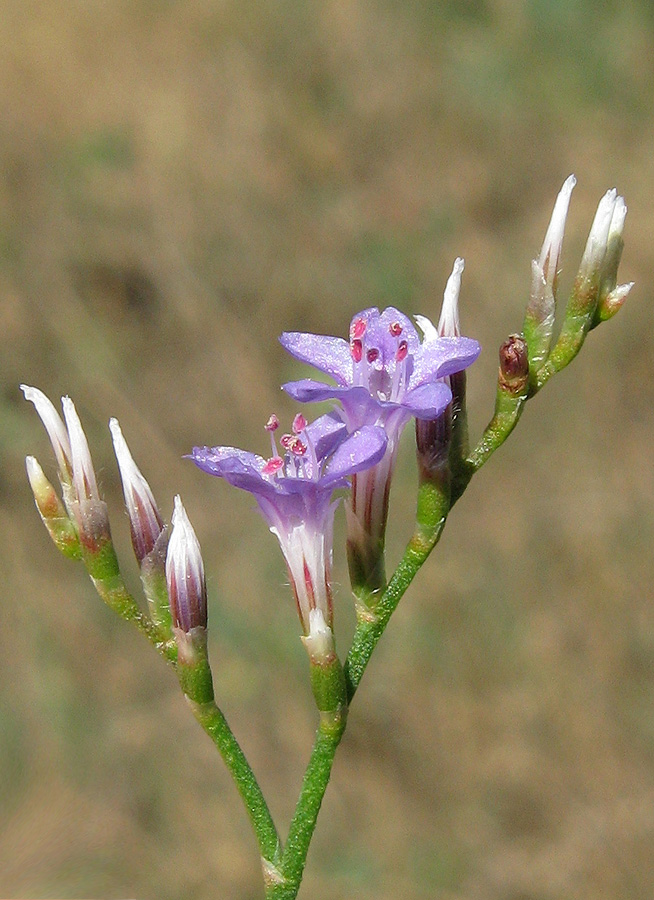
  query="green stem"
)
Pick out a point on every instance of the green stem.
point(215, 724)
point(433, 507)
point(314, 785)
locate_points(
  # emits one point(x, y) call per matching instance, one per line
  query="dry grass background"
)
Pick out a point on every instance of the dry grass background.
point(180, 182)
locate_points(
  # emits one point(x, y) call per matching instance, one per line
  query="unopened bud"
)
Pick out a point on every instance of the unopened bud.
point(607, 224)
point(55, 518)
point(58, 436)
point(540, 311)
point(146, 522)
point(187, 590)
point(612, 302)
point(84, 482)
point(514, 363)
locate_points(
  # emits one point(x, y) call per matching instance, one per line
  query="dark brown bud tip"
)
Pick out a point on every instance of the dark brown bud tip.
point(514, 362)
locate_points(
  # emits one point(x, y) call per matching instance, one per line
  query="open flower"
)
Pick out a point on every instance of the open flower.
point(293, 489)
point(384, 376)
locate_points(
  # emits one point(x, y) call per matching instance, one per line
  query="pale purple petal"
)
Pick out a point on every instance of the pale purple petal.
point(428, 400)
point(239, 467)
point(362, 449)
point(325, 432)
point(444, 357)
point(328, 354)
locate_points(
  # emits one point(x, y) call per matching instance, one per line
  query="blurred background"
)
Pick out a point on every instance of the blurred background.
point(180, 182)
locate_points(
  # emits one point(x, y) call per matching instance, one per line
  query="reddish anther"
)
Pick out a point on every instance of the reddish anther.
point(299, 423)
point(297, 448)
point(357, 329)
point(402, 351)
point(395, 329)
point(372, 354)
point(356, 349)
point(273, 465)
point(272, 424)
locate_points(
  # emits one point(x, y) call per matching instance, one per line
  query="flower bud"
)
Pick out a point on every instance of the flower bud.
point(89, 508)
point(444, 439)
point(55, 518)
point(58, 436)
point(145, 520)
point(514, 363)
point(539, 315)
point(187, 590)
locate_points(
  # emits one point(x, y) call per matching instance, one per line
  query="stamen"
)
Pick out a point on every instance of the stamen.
point(402, 350)
point(395, 329)
point(399, 372)
point(273, 466)
point(271, 426)
point(372, 354)
point(286, 440)
point(356, 349)
point(296, 447)
point(357, 329)
point(299, 423)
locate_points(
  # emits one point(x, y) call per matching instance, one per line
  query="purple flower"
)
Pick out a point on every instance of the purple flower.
point(293, 489)
point(384, 376)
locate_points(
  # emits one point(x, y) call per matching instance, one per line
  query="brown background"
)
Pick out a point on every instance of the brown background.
point(180, 182)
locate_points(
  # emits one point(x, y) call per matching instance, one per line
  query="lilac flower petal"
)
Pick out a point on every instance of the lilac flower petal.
point(428, 400)
point(218, 460)
point(361, 450)
point(328, 354)
point(444, 357)
point(238, 467)
point(325, 432)
point(306, 390)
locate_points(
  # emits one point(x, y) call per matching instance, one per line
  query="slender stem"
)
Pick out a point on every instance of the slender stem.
point(433, 506)
point(314, 785)
point(215, 724)
point(194, 673)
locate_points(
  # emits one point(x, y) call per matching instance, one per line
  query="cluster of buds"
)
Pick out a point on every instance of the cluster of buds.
point(596, 296)
point(171, 570)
